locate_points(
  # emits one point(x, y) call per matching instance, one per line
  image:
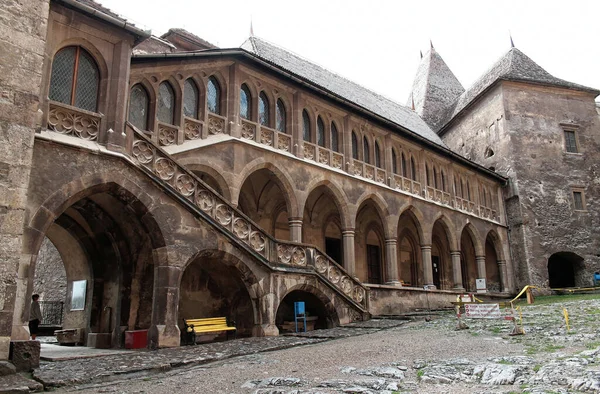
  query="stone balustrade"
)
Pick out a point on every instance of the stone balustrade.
point(69, 120)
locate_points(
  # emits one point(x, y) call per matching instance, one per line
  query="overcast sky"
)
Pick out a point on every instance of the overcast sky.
point(377, 43)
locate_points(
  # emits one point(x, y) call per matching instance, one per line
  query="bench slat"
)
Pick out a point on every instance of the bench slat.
point(209, 324)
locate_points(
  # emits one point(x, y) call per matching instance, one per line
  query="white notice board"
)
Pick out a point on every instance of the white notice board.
point(483, 311)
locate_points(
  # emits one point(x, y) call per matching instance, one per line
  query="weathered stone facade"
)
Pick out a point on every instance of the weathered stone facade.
point(514, 121)
point(23, 34)
point(235, 182)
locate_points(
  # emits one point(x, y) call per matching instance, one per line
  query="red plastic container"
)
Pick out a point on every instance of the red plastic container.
point(137, 339)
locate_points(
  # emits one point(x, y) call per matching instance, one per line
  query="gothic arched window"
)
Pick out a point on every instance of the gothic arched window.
point(75, 78)
point(354, 146)
point(280, 116)
point(377, 155)
point(334, 138)
point(306, 126)
point(394, 162)
point(138, 107)
point(413, 169)
point(263, 109)
point(245, 102)
point(320, 132)
point(366, 155)
point(213, 94)
point(404, 167)
point(190, 99)
point(166, 103)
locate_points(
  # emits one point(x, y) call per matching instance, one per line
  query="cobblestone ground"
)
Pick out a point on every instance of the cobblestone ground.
point(382, 356)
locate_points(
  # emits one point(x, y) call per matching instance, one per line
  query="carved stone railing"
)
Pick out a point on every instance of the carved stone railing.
point(266, 136)
point(216, 124)
point(283, 141)
point(188, 187)
point(298, 255)
point(167, 134)
point(309, 151)
point(405, 184)
point(65, 119)
point(192, 129)
point(249, 130)
point(367, 171)
point(440, 196)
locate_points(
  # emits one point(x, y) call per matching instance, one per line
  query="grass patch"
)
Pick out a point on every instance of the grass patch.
point(554, 299)
point(537, 367)
point(420, 374)
point(552, 348)
point(592, 345)
point(505, 362)
point(496, 330)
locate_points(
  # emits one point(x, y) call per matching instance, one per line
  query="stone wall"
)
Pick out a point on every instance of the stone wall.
point(524, 127)
point(50, 280)
point(22, 39)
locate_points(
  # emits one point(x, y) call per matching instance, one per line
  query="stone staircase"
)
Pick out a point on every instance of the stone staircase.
point(185, 187)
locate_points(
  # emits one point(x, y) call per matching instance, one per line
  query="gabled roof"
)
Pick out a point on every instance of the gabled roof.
point(343, 87)
point(191, 42)
point(435, 88)
point(96, 10)
point(513, 66)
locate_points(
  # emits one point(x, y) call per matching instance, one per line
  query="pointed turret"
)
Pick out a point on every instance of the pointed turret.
point(435, 88)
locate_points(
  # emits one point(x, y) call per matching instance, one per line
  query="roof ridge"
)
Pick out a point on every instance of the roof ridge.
point(324, 68)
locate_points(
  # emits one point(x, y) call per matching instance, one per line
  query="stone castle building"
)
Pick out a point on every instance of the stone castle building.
point(169, 179)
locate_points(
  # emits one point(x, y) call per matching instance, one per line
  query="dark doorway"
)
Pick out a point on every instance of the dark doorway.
point(436, 268)
point(316, 313)
point(374, 263)
point(564, 270)
point(333, 249)
point(463, 272)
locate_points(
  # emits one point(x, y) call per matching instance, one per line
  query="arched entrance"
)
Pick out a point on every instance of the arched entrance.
point(492, 271)
point(216, 284)
point(50, 282)
point(319, 316)
point(263, 200)
point(566, 269)
point(322, 223)
point(410, 270)
point(105, 241)
point(440, 256)
point(468, 262)
point(369, 241)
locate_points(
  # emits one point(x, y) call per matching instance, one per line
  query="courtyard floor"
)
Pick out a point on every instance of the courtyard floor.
point(378, 356)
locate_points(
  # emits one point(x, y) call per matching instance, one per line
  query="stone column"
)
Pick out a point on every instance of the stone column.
point(23, 31)
point(427, 268)
point(268, 311)
point(457, 271)
point(295, 229)
point(391, 262)
point(503, 276)
point(481, 268)
point(348, 244)
point(164, 331)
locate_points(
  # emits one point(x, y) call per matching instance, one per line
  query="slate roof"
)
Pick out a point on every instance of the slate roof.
point(513, 66)
point(190, 36)
point(435, 88)
point(342, 87)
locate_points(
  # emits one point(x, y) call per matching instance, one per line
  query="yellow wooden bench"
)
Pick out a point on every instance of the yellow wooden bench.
point(207, 325)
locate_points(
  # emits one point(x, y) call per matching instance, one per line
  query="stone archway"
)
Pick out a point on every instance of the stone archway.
point(105, 238)
point(322, 222)
point(369, 243)
point(468, 260)
point(217, 284)
point(410, 270)
point(319, 315)
point(264, 200)
point(566, 269)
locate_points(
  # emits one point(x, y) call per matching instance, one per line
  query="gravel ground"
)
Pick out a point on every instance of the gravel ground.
point(416, 357)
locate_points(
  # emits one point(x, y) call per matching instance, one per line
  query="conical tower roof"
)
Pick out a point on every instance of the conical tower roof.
point(435, 88)
point(513, 66)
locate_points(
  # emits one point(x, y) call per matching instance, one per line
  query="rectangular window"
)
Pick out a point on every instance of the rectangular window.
point(570, 142)
point(578, 200)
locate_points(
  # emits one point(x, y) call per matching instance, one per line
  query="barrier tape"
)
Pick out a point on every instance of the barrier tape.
point(523, 291)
